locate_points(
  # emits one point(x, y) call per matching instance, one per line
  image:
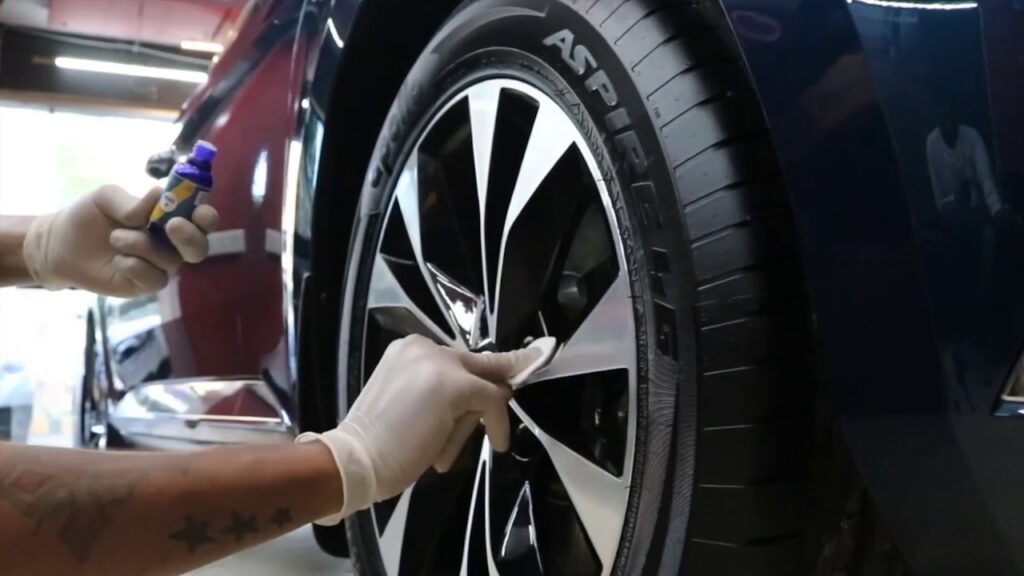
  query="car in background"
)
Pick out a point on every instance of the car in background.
point(779, 243)
point(17, 393)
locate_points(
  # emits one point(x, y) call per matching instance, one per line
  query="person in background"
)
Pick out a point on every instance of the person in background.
point(960, 169)
point(76, 512)
point(969, 211)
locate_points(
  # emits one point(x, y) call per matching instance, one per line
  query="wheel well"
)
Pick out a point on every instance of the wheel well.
point(368, 78)
point(369, 75)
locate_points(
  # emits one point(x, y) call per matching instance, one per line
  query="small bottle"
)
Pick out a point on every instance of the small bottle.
point(187, 187)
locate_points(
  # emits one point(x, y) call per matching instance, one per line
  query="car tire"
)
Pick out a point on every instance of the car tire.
point(726, 413)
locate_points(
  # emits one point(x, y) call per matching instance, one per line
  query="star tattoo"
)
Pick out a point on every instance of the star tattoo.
point(193, 535)
point(241, 526)
point(281, 517)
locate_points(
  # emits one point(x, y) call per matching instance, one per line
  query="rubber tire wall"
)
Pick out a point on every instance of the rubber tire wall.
point(726, 461)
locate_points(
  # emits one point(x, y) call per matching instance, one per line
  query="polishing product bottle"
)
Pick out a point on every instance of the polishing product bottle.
point(187, 187)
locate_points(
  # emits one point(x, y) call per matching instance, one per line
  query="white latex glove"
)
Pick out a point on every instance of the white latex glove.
point(418, 409)
point(100, 244)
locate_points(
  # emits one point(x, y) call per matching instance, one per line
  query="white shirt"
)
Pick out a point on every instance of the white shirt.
point(965, 164)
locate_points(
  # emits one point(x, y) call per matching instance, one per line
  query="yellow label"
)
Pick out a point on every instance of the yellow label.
point(171, 199)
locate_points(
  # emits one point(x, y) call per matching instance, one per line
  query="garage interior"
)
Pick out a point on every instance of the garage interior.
point(767, 253)
point(66, 128)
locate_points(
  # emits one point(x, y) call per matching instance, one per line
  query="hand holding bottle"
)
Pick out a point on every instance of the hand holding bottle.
point(100, 244)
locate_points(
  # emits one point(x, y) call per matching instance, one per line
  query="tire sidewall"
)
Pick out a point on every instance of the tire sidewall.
point(553, 47)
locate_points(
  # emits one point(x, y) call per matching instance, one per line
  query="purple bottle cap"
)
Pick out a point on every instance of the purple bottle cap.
point(204, 151)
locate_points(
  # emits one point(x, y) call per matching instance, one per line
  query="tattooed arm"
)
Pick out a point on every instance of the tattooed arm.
point(76, 512)
point(85, 513)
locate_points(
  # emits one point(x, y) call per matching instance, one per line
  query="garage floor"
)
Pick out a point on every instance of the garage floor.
point(295, 554)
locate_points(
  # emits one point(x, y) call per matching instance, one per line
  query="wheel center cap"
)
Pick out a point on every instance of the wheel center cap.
point(466, 310)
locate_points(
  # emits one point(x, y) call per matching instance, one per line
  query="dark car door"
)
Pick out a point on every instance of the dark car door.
point(949, 75)
point(899, 129)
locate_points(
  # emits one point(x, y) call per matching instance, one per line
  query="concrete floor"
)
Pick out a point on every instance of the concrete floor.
point(295, 555)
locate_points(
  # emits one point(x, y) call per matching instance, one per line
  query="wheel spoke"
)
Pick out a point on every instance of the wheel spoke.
point(604, 341)
point(465, 310)
point(386, 292)
point(394, 534)
point(483, 115)
point(408, 196)
point(519, 545)
point(552, 135)
point(477, 534)
point(599, 498)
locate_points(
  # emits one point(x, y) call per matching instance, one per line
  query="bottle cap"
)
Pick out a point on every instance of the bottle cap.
point(204, 151)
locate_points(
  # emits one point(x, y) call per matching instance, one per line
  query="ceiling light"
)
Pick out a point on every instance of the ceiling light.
point(918, 4)
point(201, 46)
point(334, 33)
point(104, 67)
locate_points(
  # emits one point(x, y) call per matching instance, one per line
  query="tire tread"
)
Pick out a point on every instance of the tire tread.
point(754, 338)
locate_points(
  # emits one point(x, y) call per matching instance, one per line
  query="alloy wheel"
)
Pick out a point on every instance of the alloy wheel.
point(501, 230)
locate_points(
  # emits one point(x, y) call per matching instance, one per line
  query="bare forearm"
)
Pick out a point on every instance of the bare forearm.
point(68, 511)
point(12, 263)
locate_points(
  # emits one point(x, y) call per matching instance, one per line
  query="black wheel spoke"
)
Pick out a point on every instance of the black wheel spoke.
point(544, 202)
point(588, 413)
point(535, 252)
point(515, 116)
point(597, 497)
point(519, 547)
point(448, 200)
point(428, 546)
point(603, 341)
point(534, 525)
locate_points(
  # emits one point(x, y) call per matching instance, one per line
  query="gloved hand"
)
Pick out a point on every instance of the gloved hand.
point(418, 409)
point(100, 244)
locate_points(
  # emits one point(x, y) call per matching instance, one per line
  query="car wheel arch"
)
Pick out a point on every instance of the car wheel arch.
point(353, 116)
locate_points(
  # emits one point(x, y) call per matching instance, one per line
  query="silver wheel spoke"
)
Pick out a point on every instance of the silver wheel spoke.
point(473, 503)
point(600, 499)
point(604, 341)
point(492, 568)
point(479, 499)
point(407, 192)
point(553, 133)
point(483, 116)
point(386, 292)
point(394, 534)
